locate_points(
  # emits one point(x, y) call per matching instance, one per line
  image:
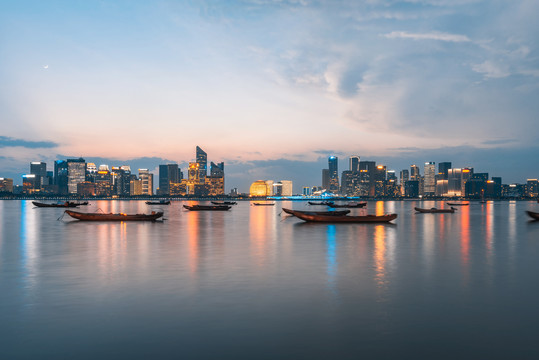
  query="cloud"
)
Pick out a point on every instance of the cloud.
point(6, 141)
point(491, 70)
point(499, 141)
point(427, 36)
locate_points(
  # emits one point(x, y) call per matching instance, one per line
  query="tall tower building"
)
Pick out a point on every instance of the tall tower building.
point(414, 172)
point(76, 173)
point(146, 179)
point(60, 176)
point(39, 169)
point(354, 163)
point(202, 160)
point(167, 174)
point(429, 185)
point(333, 163)
point(443, 169)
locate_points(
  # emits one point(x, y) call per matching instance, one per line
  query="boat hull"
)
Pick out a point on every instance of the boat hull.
point(207, 207)
point(64, 205)
point(434, 211)
point(327, 213)
point(113, 217)
point(346, 219)
point(533, 215)
point(157, 203)
point(349, 206)
point(457, 204)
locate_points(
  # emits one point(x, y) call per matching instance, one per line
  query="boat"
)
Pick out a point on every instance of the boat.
point(458, 204)
point(224, 203)
point(207, 207)
point(78, 203)
point(114, 217)
point(533, 215)
point(328, 213)
point(351, 205)
point(66, 204)
point(346, 218)
point(160, 202)
point(434, 210)
point(320, 203)
point(263, 204)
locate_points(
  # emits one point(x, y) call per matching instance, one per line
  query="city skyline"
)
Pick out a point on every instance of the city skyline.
point(269, 83)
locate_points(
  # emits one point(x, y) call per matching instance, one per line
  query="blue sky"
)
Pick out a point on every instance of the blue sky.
point(272, 82)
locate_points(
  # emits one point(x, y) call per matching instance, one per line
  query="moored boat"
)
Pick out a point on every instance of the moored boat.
point(327, 213)
point(114, 217)
point(350, 205)
point(224, 203)
point(207, 207)
point(458, 204)
point(434, 210)
point(66, 204)
point(320, 203)
point(346, 218)
point(263, 204)
point(161, 202)
point(533, 215)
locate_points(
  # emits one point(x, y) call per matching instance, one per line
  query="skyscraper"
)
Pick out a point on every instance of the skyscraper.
point(354, 163)
point(167, 174)
point(333, 167)
point(443, 168)
point(39, 169)
point(60, 176)
point(146, 179)
point(202, 160)
point(414, 172)
point(429, 187)
point(76, 173)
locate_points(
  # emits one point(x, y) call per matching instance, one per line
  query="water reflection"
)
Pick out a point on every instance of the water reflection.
point(331, 257)
point(29, 251)
point(380, 256)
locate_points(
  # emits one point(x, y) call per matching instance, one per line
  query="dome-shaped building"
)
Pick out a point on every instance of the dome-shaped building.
point(260, 188)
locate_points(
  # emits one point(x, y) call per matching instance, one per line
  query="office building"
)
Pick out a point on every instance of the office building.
point(532, 188)
point(261, 188)
point(6, 185)
point(333, 167)
point(354, 163)
point(429, 183)
point(146, 179)
point(414, 172)
point(39, 169)
point(202, 160)
point(443, 169)
point(76, 173)
point(31, 183)
point(167, 174)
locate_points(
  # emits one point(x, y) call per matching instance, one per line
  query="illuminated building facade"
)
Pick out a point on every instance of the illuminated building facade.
point(353, 163)
point(135, 187)
point(443, 169)
point(31, 183)
point(414, 172)
point(39, 169)
point(333, 167)
point(147, 181)
point(429, 185)
point(454, 182)
point(167, 174)
point(86, 189)
point(103, 182)
point(6, 185)
point(60, 176)
point(76, 173)
point(202, 161)
point(532, 188)
point(261, 188)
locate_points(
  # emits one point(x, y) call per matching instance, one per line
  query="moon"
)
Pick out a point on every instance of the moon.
point(45, 67)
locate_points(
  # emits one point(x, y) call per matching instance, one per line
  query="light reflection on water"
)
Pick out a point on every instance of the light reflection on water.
point(279, 287)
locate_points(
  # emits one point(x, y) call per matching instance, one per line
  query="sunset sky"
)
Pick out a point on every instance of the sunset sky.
point(271, 87)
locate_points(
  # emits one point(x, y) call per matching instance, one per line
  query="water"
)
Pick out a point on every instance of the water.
point(251, 283)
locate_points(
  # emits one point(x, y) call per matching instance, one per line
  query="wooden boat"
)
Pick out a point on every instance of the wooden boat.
point(78, 203)
point(160, 202)
point(328, 213)
point(320, 203)
point(114, 217)
point(434, 210)
point(356, 205)
point(224, 203)
point(207, 207)
point(263, 204)
point(458, 204)
point(346, 218)
point(533, 215)
point(66, 204)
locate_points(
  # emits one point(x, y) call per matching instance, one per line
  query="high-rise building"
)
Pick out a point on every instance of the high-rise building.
point(167, 174)
point(76, 173)
point(429, 184)
point(146, 179)
point(391, 175)
point(443, 168)
point(202, 160)
point(216, 180)
point(39, 169)
point(532, 188)
point(466, 175)
point(354, 163)
point(287, 187)
point(6, 185)
point(135, 187)
point(325, 179)
point(261, 188)
point(454, 182)
point(333, 167)
point(414, 172)
point(30, 183)
point(60, 176)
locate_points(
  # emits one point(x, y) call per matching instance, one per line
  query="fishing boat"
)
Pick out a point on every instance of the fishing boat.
point(263, 204)
point(435, 210)
point(533, 215)
point(224, 203)
point(328, 213)
point(66, 204)
point(458, 204)
point(351, 205)
point(160, 202)
point(346, 218)
point(78, 203)
point(320, 203)
point(114, 217)
point(207, 207)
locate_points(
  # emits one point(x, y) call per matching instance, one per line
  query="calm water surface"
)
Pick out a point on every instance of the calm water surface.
point(251, 283)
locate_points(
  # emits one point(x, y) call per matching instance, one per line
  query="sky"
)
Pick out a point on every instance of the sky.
point(271, 87)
